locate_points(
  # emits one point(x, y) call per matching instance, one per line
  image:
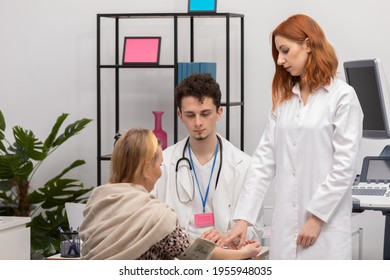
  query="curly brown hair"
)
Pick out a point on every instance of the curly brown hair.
point(199, 85)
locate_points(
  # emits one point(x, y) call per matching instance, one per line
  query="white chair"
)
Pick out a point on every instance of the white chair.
point(74, 211)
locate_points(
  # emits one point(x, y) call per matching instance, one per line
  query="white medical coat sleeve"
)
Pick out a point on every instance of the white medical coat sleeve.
point(346, 140)
point(259, 176)
point(256, 231)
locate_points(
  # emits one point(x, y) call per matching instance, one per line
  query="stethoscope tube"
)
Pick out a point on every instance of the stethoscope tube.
point(183, 157)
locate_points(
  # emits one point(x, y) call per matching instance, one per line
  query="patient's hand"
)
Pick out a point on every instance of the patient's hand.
point(251, 248)
point(213, 235)
point(249, 251)
point(247, 241)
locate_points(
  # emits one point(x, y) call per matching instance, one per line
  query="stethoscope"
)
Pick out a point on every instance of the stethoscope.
point(185, 162)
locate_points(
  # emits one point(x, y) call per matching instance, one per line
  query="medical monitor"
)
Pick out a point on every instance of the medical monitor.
point(375, 169)
point(368, 79)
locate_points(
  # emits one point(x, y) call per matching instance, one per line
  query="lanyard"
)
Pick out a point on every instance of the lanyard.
point(204, 199)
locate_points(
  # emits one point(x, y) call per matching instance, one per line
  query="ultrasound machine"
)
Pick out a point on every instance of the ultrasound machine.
point(371, 190)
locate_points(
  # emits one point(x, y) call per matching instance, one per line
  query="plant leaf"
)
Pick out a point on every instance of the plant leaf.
point(21, 159)
point(73, 165)
point(6, 185)
point(2, 129)
point(2, 147)
point(54, 131)
point(2, 122)
point(45, 239)
point(27, 143)
point(57, 191)
point(13, 166)
point(7, 197)
point(71, 130)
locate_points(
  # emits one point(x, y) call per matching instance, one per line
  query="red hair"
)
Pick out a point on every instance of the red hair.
point(321, 66)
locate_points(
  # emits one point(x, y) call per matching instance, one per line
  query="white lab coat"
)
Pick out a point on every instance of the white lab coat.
point(231, 180)
point(309, 153)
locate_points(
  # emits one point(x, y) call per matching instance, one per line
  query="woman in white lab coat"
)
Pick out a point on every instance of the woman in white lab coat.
point(308, 150)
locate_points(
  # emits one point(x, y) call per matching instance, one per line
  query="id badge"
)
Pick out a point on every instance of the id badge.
point(204, 219)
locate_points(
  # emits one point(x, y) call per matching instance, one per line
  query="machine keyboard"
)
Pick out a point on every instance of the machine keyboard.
point(373, 192)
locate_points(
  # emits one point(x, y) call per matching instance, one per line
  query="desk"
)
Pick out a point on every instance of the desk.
point(14, 238)
point(263, 253)
point(58, 257)
point(386, 213)
point(261, 256)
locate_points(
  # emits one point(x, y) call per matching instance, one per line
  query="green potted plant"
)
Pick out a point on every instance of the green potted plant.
point(19, 161)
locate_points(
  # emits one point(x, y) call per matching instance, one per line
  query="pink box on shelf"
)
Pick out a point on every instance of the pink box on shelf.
point(141, 50)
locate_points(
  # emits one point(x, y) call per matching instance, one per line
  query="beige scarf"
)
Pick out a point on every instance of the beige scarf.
point(122, 221)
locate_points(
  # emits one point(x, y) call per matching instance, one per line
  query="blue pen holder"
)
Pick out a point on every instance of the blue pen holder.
point(70, 244)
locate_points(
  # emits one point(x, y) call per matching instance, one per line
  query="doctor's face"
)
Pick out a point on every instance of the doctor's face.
point(292, 55)
point(200, 118)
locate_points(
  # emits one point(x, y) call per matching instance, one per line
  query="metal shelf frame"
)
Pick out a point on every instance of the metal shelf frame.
point(117, 66)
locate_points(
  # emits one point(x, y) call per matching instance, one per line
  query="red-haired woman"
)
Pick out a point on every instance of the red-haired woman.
point(308, 150)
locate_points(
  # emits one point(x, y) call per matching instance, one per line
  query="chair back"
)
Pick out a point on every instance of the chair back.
point(74, 211)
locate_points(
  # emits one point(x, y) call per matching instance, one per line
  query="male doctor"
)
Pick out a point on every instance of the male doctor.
point(203, 174)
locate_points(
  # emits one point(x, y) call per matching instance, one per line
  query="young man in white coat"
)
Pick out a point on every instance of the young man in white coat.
point(203, 174)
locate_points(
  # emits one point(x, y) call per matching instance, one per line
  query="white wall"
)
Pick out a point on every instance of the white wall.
point(48, 66)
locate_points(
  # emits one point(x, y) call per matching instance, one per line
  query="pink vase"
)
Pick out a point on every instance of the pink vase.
point(158, 131)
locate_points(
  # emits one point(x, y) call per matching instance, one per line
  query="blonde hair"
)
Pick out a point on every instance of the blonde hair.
point(133, 151)
point(322, 63)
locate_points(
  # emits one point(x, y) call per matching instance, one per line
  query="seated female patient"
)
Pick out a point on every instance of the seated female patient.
point(122, 220)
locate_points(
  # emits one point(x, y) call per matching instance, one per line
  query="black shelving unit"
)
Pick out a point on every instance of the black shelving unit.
point(116, 66)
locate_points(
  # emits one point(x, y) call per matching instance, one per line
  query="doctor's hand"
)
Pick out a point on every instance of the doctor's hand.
point(213, 235)
point(237, 236)
point(310, 232)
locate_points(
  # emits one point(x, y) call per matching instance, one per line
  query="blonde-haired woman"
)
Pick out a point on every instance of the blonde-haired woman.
point(308, 150)
point(122, 220)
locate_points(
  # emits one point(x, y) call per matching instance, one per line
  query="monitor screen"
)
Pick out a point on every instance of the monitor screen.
point(363, 79)
point(378, 170)
point(367, 78)
point(375, 168)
